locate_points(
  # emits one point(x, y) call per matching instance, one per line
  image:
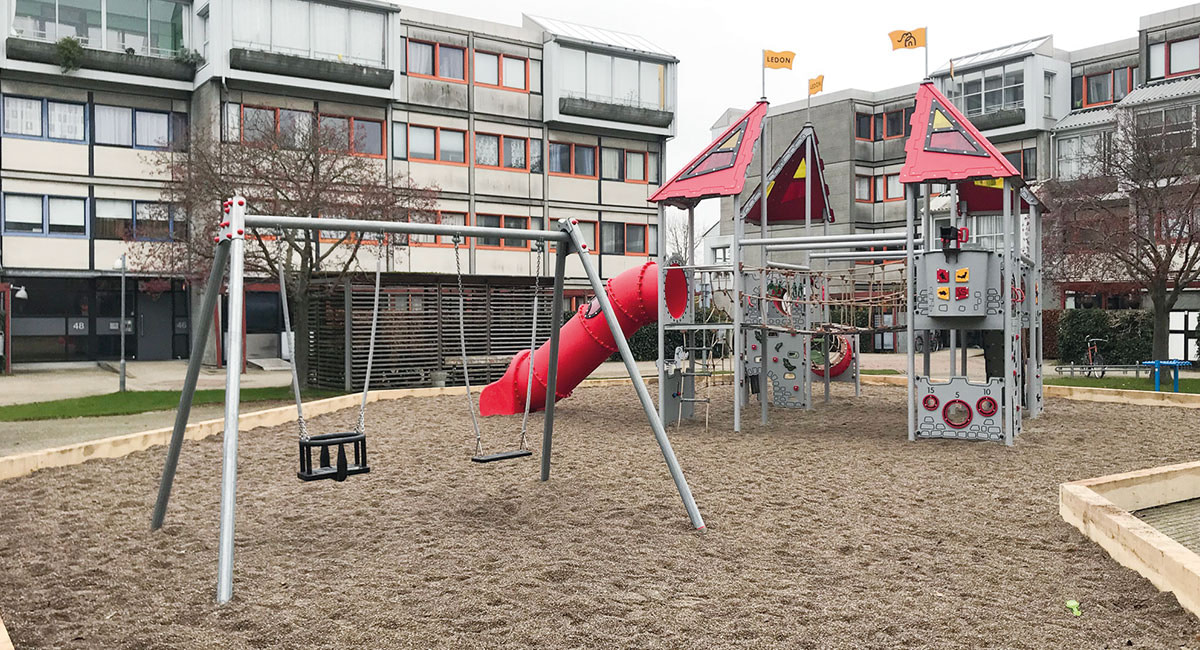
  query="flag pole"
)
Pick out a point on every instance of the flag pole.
point(808, 111)
point(926, 52)
point(764, 74)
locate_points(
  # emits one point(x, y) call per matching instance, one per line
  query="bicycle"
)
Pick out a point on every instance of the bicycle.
point(1095, 360)
point(935, 342)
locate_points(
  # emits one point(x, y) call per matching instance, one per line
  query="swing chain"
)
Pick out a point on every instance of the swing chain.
point(462, 338)
point(538, 248)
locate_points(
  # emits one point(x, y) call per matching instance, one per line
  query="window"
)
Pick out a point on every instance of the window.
point(311, 29)
point(368, 137)
point(436, 143)
point(1076, 92)
point(652, 173)
point(879, 189)
point(151, 129)
point(154, 27)
point(501, 71)
point(64, 121)
point(635, 239)
point(611, 163)
point(114, 125)
point(1048, 95)
point(877, 126)
point(436, 60)
point(487, 150)
point(516, 223)
point(151, 222)
point(444, 218)
point(295, 128)
point(862, 189)
point(585, 160)
point(1029, 164)
point(1183, 56)
point(22, 116)
point(721, 255)
point(991, 89)
point(114, 219)
point(588, 231)
point(22, 213)
point(399, 140)
point(894, 124)
point(612, 238)
point(1103, 88)
point(452, 146)
point(635, 166)
point(487, 221)
point(514, 153)
point(611, 79)
point(1158, 61)
point(67, 216)
point(572, 159)
point(422, 143)
point(1122, 80)
point(895, 189)
point(862, 126)
point(334, 132)
point(1099, 89)
point(535, 156)
point(1177, 127)
point(652, 239)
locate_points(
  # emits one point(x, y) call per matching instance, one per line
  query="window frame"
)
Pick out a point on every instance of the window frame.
point(148, 147)
point(502, 246)
point(645, 240)
point(870, 117)
point(350, 121)
point(499, 85)
point(437, 56)
point(595, 161)
point(870, 189)
point(441, 241)
point(1167, 71)
point(45, 223)
point(500, 139)
point(625, 167)
point(392, 151)
point(887, 124)
point(888, 198)
point(44, 119)
point(468, 150)
point(1112, 86)
point(615, 225)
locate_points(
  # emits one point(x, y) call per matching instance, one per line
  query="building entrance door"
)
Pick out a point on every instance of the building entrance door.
point(155, 326)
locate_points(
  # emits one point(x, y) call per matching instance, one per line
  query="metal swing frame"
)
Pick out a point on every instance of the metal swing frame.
point(230, 249)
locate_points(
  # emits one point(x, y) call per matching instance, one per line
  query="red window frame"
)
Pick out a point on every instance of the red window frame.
point(350, 120)
point(888, 198)
point(645, 240)
point(437, 54)
point(437, 146)
point(500, 152)
point(645, 170)
point(595, 161)
point(870, 189)
point(870, 121)
point(500, 71)
point(1167, 72)
point(887, 120)
point(1112, 85)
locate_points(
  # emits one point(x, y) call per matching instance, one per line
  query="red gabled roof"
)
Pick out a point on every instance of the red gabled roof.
point(720, 170)
point(945, 146)
point(786, 185)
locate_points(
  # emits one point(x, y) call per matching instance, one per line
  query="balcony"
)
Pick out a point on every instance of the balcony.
point(601, 110)
point(127, 62)
point(301, 66)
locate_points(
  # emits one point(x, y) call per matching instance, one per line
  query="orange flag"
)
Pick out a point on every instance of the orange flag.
point(904, 39)
point(816, 85)
point(778, 60)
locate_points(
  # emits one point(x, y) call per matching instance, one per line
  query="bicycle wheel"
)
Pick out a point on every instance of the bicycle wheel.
point(1099, 361)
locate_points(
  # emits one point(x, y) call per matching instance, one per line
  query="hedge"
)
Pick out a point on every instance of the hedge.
point(1128, 335)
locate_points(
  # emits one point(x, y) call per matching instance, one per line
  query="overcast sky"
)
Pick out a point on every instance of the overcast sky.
point(719, 44)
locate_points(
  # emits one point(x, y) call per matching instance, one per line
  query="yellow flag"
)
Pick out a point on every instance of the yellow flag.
point(778, 60)
point(816, 85)
point(904, 39)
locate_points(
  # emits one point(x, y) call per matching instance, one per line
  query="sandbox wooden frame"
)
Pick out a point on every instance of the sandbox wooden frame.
point(1102, 509)
point(5, 642)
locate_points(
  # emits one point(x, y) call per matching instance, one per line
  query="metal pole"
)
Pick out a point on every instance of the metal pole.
point(660, 434)
point(806, 339)
point(777, 242)
point(560, 270)
point(212, 291)
point(910, 204)
point(123, 333)
point(660, 326)
point(233, 366)
point(1008, 262)
point(883, 240)
point(360, 225)
point(762, 232)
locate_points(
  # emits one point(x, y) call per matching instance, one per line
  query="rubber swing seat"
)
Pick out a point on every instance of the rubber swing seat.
point(326, 469)
point(504, 455)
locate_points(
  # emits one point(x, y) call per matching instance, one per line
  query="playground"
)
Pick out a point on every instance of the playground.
point(830, 530)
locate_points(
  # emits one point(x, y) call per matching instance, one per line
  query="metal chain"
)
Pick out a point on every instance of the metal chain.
point(462, 339)
point(537, 286)
point(288, 334)
point(362, 407)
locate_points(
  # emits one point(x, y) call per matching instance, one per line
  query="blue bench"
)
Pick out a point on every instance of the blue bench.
point(1173, 364)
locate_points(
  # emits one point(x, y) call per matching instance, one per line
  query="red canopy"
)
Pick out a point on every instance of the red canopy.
point(945, 146)
point(720, 170)
point(787, 184)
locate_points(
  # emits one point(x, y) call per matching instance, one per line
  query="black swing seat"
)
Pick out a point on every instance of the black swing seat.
point(341, 467)
point(504, 455)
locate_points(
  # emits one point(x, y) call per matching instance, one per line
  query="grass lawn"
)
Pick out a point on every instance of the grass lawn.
point(1186, 384)
point(141, 401)
point(880, 371)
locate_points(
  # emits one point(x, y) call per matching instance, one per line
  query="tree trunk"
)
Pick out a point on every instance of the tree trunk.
point(1161, 306)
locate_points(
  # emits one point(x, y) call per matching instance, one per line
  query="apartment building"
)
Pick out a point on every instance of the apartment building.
point(514, 124)
point(1044, 108)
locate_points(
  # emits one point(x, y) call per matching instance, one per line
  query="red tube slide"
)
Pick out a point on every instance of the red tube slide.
point(586, 341)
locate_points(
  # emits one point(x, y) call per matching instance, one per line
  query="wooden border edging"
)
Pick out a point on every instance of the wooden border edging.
point(5, 642)
point(1089, 506)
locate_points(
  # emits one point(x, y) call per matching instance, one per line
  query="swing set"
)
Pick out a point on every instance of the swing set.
point(230, 251)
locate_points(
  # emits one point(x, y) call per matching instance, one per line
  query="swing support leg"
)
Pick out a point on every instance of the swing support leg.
point(560, 269)
point(660, 434)
point(233, 394)
point(199, 340)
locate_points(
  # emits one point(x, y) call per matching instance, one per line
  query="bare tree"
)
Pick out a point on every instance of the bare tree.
point(1129, 220)
point(302, 167)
